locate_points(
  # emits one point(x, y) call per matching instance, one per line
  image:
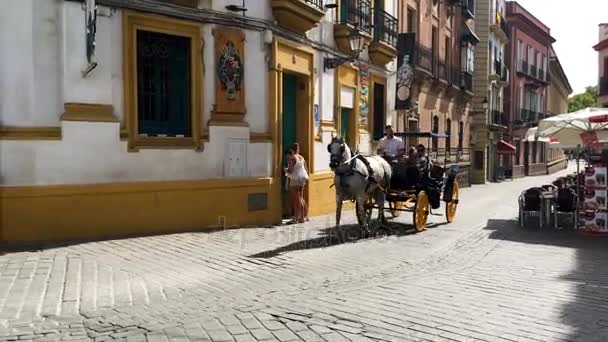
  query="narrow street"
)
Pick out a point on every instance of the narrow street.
point(479, 279)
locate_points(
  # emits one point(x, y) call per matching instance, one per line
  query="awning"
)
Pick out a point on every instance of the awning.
point(532, 136)
point(505, 148)
point(470, 36)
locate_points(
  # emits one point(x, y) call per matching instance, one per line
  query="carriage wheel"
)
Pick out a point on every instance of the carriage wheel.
point(451, 206)
point(394, 207)
point(421, 211)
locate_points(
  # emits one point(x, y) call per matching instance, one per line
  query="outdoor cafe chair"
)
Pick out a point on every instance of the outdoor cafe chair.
point(531, 205)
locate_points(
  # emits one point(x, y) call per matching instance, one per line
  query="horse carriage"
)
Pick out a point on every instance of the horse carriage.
point(418, 191)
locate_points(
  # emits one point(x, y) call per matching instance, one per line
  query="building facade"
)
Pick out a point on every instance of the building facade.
point(602, 51)
point(490, 150)
point(443, 83)
point(176, 116)
point(557, 103)
point(526, 97)
point(559, 87)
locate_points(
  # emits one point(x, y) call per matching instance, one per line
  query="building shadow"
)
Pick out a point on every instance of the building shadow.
point(585, 311)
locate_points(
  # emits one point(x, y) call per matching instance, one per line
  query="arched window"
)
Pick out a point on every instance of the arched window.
point(435, 129)
point(448, 140)
point(460, 135)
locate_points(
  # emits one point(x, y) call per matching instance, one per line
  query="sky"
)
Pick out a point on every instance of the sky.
point(574, 24)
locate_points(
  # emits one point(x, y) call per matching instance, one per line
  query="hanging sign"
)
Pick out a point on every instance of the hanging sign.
point(364, 95)
point(90, 31)
point(406, 45)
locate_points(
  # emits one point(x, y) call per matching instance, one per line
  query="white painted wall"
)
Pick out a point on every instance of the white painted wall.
point(92, 153)
point(43, 71)
point(30, 69)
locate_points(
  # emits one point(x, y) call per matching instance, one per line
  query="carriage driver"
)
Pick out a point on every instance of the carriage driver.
point(390, 145)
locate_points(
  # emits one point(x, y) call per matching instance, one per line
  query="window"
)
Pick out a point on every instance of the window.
point(448, 50)
point(517, 151)
point(460, 135)
point(435, 129)
point(543, 76)
point(163, 95)
point(534, 152)
point(379, 113)
point(411, 20)
point(448, 132)
point(412, 127)
point(529, 59)
point(520, 57)
point(521, 101)
point(162, 82)
point(538, 64)
point(435, 43)
point(468, 58)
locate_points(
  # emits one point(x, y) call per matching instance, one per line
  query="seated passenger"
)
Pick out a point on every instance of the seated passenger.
point(422, 160)
point(390, 146)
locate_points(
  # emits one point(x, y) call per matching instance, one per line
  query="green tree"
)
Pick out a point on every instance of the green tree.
point(583, 100)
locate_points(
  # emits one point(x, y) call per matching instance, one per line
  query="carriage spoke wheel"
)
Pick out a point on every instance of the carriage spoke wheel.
point(452, 205)
point(421, 211)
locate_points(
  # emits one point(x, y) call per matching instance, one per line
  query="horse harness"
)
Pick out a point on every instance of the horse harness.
point(352, 170)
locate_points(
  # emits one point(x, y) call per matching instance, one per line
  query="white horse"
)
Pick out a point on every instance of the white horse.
point(353, 182)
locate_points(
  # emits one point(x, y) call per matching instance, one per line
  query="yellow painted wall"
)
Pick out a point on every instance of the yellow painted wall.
point(98, 211)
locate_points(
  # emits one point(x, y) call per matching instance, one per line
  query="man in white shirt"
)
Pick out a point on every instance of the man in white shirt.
point(390, 145)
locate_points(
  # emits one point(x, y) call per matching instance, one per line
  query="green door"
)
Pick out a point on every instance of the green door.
point(289, 115)
point(345, 124)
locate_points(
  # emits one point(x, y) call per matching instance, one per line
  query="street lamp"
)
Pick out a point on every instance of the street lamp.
point(357, 44)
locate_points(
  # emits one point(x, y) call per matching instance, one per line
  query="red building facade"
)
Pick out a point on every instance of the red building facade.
point(525, 103)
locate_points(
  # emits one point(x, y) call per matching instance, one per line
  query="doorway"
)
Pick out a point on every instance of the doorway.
point(295, 123)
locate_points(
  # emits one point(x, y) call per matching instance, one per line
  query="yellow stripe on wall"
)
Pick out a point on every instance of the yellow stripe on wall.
point(99, 211)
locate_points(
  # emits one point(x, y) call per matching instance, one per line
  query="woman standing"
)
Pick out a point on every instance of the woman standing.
point(298, 176)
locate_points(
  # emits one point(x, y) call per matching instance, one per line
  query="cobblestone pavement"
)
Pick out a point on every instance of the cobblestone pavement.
point(479, 279)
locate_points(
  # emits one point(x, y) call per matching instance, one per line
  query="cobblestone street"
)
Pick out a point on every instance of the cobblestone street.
point(479, 279)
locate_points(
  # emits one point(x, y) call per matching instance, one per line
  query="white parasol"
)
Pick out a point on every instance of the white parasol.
point(583, 127)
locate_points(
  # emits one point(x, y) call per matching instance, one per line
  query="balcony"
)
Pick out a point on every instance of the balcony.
point(298, 15)
point(424, 59)
point(351, 14)
point(454, 75)
point(498, 119)
point(441, 71)
point(523, 67)
point(466, 82)
point(504, 76)
point(500, 29)
point(533, 71)
point(383, 48)
point(468, 8)
point(603, 86)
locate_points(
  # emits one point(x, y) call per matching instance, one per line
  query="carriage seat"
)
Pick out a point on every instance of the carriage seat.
point(406, 176)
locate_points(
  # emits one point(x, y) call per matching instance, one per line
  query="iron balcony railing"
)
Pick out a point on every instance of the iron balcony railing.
point(385, 28)
point(357, 13)
point(541, 74)
point(603, 86)
point(498, 68)
point(441, 70)
point(467, 81)
point(468, 8)
point(524, 115)
point(504, 76)
point(454, 75)
point(524, 66)
point(450, 155)
point(318, 4)
point(424, 58)
point(498, 118)
point(534, 71)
